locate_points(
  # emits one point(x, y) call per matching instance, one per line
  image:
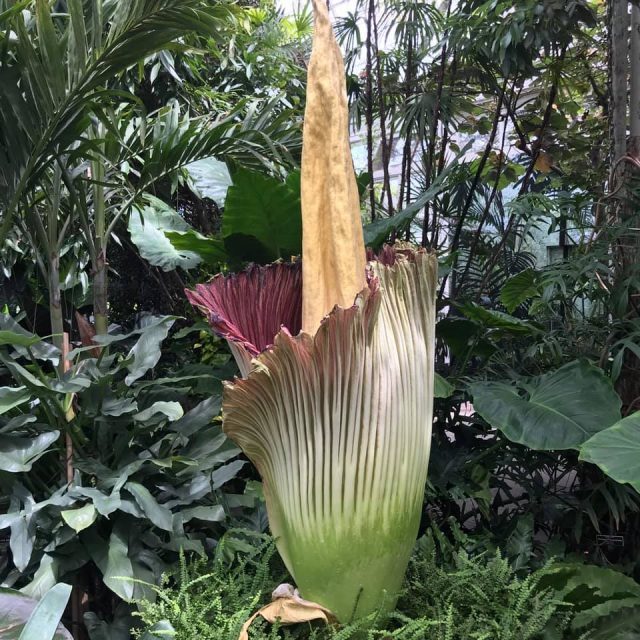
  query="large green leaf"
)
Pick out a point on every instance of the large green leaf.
point(44, 578)
point(22, 538)
point(105, 504)
point(44, 621)
point(147, 226)
point(519, 544)
point(159, 631)
point(11, 397)
point(113, 560)
point(594, 592)
point(159, 515)
point(224, 474)
point(146, 352)
point(17, 454)
point(266, 210)
point(201, 415)
point(519, 288)
point(23, 618)
point(558, 410)
point(496, 321)
point(17, 339)
point(442, 388)
point(210, 250)
point(464, 337)
point(615, 625)
point(616, 450)
point(214, 513)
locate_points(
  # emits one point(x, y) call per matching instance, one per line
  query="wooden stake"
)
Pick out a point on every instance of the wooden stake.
point(76, 594)
point(70, 413)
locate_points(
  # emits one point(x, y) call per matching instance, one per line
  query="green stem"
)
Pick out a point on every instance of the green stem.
point(55, 302)
point(100, 276)
point(51, 246)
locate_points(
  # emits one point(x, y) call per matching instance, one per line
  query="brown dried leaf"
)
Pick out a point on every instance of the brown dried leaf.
point(289, 608)
point(87, 333)
point(544, 162)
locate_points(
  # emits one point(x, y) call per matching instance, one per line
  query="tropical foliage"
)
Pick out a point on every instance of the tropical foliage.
point(150, 145)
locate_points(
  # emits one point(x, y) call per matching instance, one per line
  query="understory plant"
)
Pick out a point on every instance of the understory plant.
point(447, 595)
point(109, 470)
point(334, 408)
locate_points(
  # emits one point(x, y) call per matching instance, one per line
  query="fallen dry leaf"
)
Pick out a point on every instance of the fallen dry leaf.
point(289, 608)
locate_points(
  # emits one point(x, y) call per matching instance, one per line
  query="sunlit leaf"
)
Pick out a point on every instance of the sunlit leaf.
point(209, 250)
point(172, 410)
point(11, 397)
point(79, 519)
point(211, 178)
point(147, 227)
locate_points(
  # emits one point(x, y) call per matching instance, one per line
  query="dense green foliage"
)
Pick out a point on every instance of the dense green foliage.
point(481, 130)
point(451, 592)
point(459, 599)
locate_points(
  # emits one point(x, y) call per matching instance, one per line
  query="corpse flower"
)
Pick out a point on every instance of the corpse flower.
point(334, 406)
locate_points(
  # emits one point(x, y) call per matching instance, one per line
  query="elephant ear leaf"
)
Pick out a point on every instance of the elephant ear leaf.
point(519, 288)
point(616, 450)
point(558, 410)
point(147, 227)
point(262, 218)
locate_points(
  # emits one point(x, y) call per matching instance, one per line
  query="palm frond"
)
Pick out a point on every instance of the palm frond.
point(59, 75)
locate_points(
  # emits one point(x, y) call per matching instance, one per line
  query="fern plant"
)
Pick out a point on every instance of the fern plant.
point(211, 600)
point(479, 598)
point(448, 595)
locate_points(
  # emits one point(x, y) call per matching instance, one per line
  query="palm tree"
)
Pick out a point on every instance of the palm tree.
point(76, 147)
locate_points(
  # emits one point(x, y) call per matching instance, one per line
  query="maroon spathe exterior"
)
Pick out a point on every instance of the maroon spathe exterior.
point(251, 307)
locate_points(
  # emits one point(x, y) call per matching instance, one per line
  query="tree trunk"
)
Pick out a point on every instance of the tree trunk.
point(100, 294)
point(369, 109)
point(619, 22)
point(634, 85)
point(386, 144)
point(628, 252)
